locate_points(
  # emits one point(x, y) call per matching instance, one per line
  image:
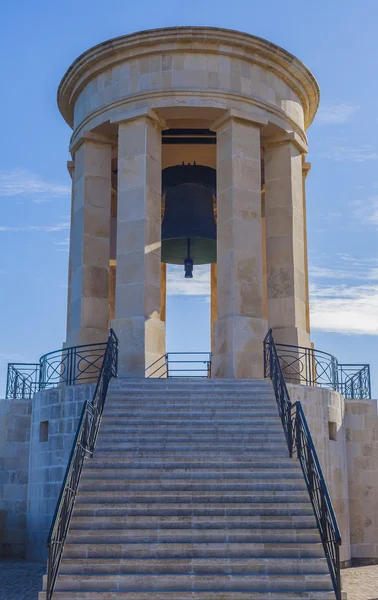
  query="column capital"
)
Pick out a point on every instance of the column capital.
point(241, 116)
point(91, 136)
point(141, 113)
point(286, 137)
point(306, 168)
point(71, 167)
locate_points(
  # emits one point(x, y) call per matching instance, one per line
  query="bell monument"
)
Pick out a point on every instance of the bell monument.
point(188, 150)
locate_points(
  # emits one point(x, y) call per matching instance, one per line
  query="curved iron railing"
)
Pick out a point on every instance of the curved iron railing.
point(308, 366)
point(22, 380)
point(68, 366)
point(78, 364)
point(355, 384)
point(191, 364)
point(82, 448)
point(299, 441)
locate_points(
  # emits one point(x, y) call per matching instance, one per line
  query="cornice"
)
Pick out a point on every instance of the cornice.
point(191, 39)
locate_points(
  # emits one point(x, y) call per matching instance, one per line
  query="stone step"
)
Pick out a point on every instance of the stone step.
point(193, 595)
point(197, 428)
point(193, 523)
point(125, 443)
point(180, 583)
point(125, 536)
point(234, 566)
point(193, 550)
point(194, 497)
point(195, 475)
point(146, 510)
point(231, 485)
point(194, 464)
point(215, 436)
point(138, 451)
point(190, 422)
point(194, 383)
point(194, 411)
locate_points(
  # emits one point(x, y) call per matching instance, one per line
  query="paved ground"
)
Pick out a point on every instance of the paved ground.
point(20, 580)
point(361, 583)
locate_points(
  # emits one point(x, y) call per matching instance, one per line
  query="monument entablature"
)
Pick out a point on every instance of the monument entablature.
point(164, 67)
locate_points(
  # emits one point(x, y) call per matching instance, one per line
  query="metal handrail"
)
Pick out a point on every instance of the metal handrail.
point(83, 446)
point(309, 366)
point(160, 368)
point(299, 441)
point(67, 366)
point(22, 380)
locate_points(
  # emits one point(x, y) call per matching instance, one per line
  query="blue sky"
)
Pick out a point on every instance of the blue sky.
point(335, 39)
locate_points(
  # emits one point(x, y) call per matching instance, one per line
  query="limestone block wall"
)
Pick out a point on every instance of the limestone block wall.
point(55, 417)
point(15, 417)
point(361, 420)
point(325, 413)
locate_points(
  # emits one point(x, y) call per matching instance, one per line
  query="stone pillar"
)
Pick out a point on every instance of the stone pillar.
point(305, 171)
point(138, 322)
point(213, 300)
point(163, 291)
point(71, 170)
point(285, 242)
point(240, 327)
point(88, 309)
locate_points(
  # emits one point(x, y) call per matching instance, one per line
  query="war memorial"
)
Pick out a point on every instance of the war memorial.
point(259, 478)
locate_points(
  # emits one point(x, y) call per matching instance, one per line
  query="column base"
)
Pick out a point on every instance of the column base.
point(238, 348)
point(141, 345)
point(293, 336)
point(86, 335)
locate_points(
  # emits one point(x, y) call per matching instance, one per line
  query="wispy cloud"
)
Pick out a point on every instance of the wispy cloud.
point(366, 211)
point(354, 154)
point(63, 245)
point(335, 113)
point(345, 309)
point(177, 285)
point(344, 299)
point(21, 182)
point(46, 228)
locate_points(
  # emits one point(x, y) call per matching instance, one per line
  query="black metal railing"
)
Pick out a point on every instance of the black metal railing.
point(82, 448)
point(354, 381)
point(308, 366)
point(300, 442)
point(68, 366)
point(181, 364)
point(22, 380)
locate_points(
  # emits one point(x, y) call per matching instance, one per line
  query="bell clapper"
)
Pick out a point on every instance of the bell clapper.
point(188, 264)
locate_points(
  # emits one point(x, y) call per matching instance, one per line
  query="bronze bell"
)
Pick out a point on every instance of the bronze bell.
point(189, 229)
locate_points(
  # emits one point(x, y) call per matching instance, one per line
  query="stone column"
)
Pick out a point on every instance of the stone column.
point(163, 291)
point(138, 322)
point(213, 300)
point(90, 245)
point(285, 242)
point(240, 327)
point(71, 170)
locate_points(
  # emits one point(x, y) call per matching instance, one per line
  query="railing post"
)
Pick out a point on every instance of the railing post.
point(298, 438)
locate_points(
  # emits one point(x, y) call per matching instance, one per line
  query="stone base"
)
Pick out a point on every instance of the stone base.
point(238, 348)
point(141, 343)
point(293, 336)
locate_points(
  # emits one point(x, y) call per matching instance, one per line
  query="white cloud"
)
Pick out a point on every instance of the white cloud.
point(21, 182)
point(46, 228)
point(344, 298)
point(177, 285)
point(335, 113)
point(367, 211)
point(357, 154)
point(345, 309)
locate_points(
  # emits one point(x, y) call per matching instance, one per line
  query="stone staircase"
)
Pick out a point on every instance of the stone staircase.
point(191, 495)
